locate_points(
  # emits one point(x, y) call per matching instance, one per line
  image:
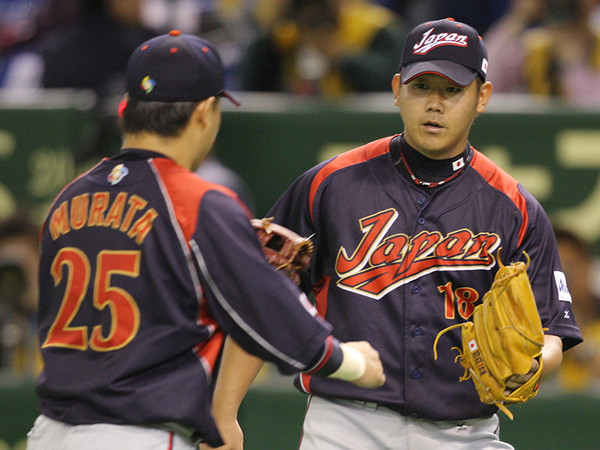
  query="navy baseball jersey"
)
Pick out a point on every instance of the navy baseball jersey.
point(396, 262)
point(144, 268)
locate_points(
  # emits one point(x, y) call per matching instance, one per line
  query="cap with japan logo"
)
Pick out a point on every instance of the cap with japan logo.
point(445, 47)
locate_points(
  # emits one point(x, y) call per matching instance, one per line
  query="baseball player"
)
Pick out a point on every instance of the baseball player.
point(407, 232)
point(145, 267)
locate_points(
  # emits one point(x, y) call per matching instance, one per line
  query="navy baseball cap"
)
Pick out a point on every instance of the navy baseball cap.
point(176, 67)
point(444, 47)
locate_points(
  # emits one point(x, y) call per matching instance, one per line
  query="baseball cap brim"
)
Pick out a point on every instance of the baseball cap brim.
point(456, 73)
point(231, 98)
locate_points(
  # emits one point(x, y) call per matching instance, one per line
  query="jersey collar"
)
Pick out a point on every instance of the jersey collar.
point(425, 171)
point(132, 154)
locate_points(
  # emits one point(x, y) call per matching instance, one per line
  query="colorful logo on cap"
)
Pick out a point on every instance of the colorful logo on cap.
point(117, 174)
point(147, 84)
point(430, 41)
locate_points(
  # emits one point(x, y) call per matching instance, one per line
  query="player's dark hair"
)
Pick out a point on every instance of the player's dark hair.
point(163, 118)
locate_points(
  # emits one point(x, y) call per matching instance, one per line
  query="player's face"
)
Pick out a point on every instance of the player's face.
point(438, 114)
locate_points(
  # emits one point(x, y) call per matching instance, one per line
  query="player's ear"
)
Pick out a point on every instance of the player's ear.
point(203, 111)
point(485, 92)
point(396, 82)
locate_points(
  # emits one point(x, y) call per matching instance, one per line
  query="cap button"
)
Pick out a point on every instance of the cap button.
point(174, 32)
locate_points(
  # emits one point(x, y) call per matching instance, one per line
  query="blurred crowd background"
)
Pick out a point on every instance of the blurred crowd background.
point(306, 47)
point(323, 49)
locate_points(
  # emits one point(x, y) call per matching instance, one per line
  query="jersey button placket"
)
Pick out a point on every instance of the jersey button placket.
point(417, 331)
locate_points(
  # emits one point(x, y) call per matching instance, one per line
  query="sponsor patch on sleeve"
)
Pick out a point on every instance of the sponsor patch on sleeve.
point(561, 284)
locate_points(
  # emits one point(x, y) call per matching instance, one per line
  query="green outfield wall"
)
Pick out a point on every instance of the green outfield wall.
point(552, 149)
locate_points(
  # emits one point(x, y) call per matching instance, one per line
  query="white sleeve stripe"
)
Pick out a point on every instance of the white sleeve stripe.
point(236, 317)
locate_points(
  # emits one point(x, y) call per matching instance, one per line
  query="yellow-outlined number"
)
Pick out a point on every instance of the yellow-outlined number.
point(465, 300)
point(125, 314)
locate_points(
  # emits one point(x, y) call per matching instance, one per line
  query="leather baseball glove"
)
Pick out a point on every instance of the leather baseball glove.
point(504, 340)
point(283, 248)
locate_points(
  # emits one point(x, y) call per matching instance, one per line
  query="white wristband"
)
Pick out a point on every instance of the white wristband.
point(353, 365)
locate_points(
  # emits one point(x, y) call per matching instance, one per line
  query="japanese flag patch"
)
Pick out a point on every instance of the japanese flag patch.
point(473, 345)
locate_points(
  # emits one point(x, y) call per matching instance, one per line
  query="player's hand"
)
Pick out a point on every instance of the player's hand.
point(232, 435)
point(515, 381)
point(374, 375)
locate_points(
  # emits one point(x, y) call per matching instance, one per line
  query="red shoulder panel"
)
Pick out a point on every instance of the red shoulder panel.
point(185, 189)
point(356, 156)
point(502, 181)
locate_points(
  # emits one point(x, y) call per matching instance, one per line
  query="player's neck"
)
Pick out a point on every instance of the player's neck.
point(426, 171)
point(178, 148)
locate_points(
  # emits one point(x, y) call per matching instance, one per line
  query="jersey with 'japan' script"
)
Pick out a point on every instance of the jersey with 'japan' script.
point(396, 262)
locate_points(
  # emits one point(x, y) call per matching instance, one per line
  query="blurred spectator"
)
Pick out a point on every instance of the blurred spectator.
point(595, 17)
point(19, 256)
point(92, 52)
point(213, 170)
point(505, 44)
point(229, 24)
point(480, 14)
point(325, 48)
point(22, 23)
point(580, 370)
point(559, 58)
